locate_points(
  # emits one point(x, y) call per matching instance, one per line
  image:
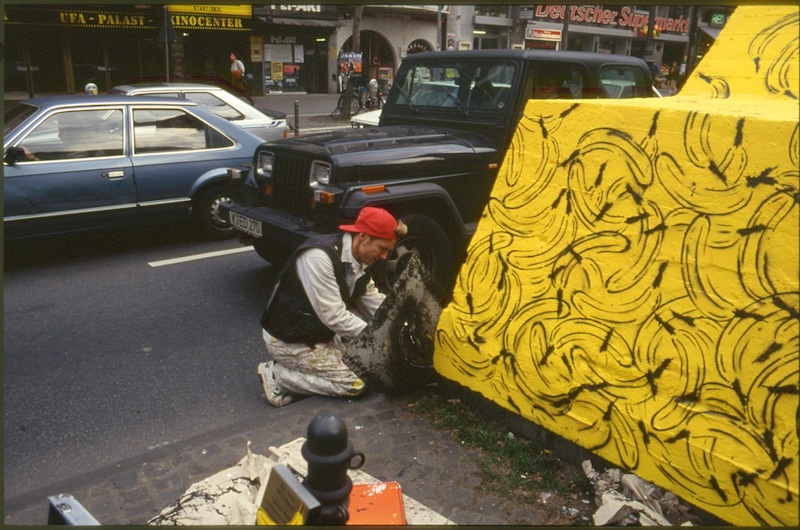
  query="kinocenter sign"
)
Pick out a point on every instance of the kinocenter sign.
point(190, 16)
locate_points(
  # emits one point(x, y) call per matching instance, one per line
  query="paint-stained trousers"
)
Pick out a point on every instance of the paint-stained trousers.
point(300, 369)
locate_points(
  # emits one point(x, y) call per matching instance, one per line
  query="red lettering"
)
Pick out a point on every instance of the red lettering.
point(551, 11)
point(624, 17)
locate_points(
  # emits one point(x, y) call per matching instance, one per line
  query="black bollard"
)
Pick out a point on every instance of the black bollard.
point(296, 118)
point(329, 455)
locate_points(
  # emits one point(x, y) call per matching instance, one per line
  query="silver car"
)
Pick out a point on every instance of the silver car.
point(267, 124)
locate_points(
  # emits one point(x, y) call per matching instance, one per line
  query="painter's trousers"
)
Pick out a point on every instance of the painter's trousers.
point(300, 369)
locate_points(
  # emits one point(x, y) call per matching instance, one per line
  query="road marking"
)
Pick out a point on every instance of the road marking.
point(194, 257)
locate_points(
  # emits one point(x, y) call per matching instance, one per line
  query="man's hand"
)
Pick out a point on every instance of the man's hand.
point(28, 154)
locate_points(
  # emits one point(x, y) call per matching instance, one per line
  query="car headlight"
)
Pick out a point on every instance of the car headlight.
point(320, 173)
point(264, 164)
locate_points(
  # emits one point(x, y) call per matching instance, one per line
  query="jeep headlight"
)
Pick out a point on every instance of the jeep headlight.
point(264, 164)
point(320, 173)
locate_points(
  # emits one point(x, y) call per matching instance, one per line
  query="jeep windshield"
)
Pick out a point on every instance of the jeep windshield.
point(464, 86)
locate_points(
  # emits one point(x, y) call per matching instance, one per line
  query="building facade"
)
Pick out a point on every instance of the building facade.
point(305, 48)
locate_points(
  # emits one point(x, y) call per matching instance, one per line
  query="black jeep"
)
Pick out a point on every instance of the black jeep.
point(445, 128)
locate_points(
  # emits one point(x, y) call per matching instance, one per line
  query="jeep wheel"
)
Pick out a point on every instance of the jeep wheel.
point(429, 242)
point(275, 253)
point(206, 213)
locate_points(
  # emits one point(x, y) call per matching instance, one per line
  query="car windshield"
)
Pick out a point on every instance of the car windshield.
point(463, 85)
point(15, 114)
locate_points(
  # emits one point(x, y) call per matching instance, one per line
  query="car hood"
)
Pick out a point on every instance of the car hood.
point(343, 143)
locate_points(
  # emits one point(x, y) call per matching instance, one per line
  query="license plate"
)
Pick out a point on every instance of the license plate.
point(245, 224)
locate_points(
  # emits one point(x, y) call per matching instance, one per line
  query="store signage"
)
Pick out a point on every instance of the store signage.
point(626, 17)
point(240, 10)
point(83, 18)
point(224, 17)
point(283, 39)
point(191, 16)
point(298, 7)
point(717, 20)
point(543, 34)
point(100, 19)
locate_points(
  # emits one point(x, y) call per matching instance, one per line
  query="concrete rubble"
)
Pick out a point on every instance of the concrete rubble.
point(230, 496)
point(623, 499)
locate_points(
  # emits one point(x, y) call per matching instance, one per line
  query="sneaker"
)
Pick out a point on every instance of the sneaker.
point(272, 390)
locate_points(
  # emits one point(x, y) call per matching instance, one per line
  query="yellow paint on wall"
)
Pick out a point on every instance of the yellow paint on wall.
point(634, 282)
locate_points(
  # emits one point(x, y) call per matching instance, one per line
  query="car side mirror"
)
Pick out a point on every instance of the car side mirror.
point(12, 155)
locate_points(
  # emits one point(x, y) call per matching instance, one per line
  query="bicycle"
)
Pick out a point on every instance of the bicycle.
point(356, 103)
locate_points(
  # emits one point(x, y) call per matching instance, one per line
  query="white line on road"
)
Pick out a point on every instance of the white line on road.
point(194, 257)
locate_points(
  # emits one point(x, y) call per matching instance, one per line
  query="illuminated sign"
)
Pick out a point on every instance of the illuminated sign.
point(224, 17)
point(202, 9)
point(219, 17)
point(532, 33)
point(717, 20)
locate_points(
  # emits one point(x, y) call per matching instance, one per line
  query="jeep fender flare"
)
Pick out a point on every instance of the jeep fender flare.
point(409, 198)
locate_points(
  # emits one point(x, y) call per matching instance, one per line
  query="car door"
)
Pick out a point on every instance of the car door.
point(78, 176)
point(173, 148)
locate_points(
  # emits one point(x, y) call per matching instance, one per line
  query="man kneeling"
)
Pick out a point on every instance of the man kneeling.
point(325, 294)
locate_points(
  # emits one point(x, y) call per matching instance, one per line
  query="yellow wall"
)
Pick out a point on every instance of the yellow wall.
point(633, 283)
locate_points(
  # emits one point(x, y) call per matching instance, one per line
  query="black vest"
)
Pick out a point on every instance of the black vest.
point(289, 316)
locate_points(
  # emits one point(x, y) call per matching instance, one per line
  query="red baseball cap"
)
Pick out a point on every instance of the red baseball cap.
point(375, 222)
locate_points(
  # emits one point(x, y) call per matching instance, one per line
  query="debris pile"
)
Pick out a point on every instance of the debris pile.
point(627, 500)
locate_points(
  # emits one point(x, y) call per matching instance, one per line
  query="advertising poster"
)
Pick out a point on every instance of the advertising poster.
point(350, 63)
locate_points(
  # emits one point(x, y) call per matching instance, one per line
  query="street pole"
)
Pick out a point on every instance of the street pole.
point(166, 39)
point(439, 28)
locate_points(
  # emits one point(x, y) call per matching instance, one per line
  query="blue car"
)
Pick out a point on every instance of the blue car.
point(74, 163)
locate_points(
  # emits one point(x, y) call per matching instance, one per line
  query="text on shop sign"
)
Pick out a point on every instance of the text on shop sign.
point(625, 17)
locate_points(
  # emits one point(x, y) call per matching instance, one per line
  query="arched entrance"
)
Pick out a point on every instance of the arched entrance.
point(419, 45)
point(379, 59)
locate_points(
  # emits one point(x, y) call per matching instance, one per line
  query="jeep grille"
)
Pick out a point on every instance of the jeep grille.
point(291, 189)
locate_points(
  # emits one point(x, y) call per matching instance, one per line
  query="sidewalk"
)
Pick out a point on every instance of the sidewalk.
point(430, 465)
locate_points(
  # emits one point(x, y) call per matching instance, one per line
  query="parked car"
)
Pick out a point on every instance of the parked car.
point(75, 163)
point(371, 118)
point(266, 123)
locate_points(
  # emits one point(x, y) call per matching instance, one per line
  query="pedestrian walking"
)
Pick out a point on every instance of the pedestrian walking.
point(238, 77)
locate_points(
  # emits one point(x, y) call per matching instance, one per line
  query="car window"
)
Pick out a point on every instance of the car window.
point(464, 85)
point(215, 105)
point(14, 114)
point(623, 82)
point(554, 80)
point(160, 130)
point(76, 134)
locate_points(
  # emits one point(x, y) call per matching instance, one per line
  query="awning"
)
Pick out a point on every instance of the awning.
point(711, 32)
point(308, 22)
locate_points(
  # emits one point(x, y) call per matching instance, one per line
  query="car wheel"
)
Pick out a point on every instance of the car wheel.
point(275, 253)
point(428, 241)
point(206, 211)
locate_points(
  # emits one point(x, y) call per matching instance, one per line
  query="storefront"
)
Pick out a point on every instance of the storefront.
point(58, 49)
point(295, 42)
point(616, 29)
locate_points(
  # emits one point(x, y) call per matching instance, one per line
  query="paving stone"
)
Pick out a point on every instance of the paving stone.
point(126, 480)
point(430, 464)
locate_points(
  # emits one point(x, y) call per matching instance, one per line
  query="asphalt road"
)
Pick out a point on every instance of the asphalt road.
point(110, 351)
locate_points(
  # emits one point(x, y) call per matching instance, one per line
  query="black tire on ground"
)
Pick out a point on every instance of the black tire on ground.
point(205, 209)
point(275, 253)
